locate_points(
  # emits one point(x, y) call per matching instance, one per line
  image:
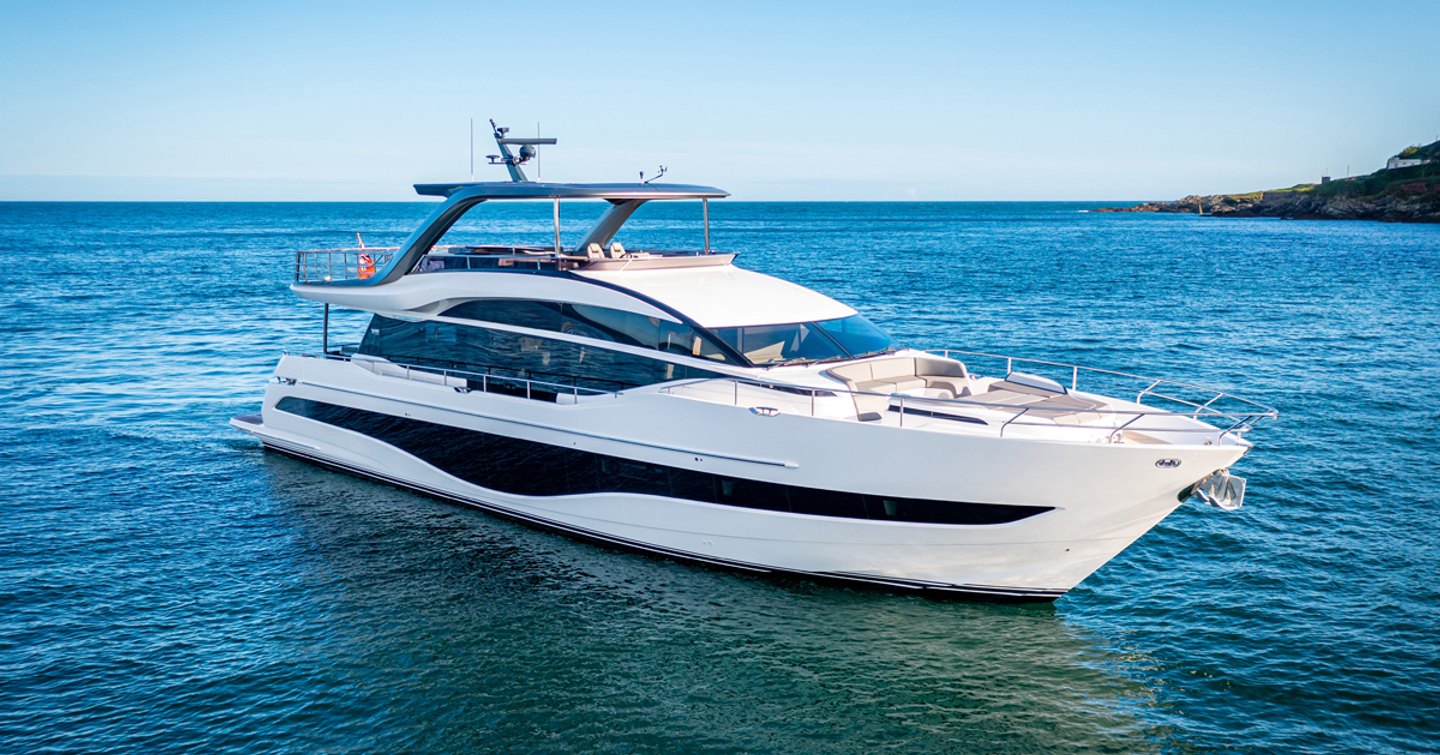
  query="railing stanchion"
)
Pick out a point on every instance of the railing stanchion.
point(1074, 377)
point(557, 226)
point(1012, 419)
point(902, 410)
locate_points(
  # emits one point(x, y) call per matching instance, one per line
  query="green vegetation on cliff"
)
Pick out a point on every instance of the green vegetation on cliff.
point(1411, 193)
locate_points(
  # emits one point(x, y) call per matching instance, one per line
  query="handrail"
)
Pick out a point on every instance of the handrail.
point(484, 378)
point(319, 266)
point(1239, 422)
point(1148, 391)
point(1235, 422)
point(829, 391)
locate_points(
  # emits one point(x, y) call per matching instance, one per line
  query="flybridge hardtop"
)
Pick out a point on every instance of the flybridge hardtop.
point(532, 190)
point(375, 267)
point(671, 401)
point(521, 187)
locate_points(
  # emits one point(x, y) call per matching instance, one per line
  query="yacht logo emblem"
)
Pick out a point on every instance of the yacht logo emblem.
point(1168, 463)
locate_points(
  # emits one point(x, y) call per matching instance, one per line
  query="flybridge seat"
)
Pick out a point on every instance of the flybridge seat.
point(615, 251)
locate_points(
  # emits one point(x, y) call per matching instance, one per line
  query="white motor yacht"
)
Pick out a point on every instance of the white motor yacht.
point(674, 402)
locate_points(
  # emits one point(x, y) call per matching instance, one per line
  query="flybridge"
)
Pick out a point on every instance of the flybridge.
point(595, 250)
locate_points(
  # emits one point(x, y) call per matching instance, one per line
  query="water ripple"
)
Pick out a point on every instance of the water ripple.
point(166, 586)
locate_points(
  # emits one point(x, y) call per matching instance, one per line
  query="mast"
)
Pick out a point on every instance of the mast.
point(513, 161)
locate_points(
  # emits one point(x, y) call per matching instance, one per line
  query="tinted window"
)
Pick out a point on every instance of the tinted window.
point(541, 315)
point(600, 323)
point(857, 335)
point(775, 344)
point(842, 338)
point(503, 354)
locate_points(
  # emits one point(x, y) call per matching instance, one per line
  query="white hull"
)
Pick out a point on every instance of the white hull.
point(1101, 496)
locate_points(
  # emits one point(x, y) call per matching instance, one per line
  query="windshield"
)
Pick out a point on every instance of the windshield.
point(857, 335)
point(843, 338)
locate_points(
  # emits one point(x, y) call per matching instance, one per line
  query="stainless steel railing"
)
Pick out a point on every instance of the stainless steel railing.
point(1152, 388)
point(817, 401)
point(436, 263)
point(320, 266)
point(1211, 411)
point(463, 381)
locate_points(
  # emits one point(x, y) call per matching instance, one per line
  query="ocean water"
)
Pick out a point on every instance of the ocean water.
point(165, 586)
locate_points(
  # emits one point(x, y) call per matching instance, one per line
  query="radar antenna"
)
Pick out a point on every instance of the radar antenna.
point(513, 161)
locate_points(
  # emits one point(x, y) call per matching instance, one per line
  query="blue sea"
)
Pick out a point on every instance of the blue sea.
point(166, 586)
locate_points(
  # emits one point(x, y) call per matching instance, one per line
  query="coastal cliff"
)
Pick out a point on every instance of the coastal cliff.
point(1409, 192)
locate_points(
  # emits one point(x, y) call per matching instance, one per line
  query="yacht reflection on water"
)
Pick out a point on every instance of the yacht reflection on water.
point(443, 612)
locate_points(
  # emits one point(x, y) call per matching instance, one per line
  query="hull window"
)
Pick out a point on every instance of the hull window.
point(523, 467)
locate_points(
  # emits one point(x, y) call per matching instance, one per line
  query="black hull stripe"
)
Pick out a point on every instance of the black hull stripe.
point(568, 431)
point(988, 593)
point(523, 467)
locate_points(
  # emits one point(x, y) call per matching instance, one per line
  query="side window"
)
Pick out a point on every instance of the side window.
point(618, 326)
point(677, 338)
point(599, 323)
point(394, 339)
point(504, 354)
point(540, 315)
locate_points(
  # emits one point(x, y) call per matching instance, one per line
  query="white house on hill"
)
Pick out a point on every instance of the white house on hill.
point(1403, 162)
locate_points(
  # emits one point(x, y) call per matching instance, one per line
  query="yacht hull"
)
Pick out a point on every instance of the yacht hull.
point(1079, 504)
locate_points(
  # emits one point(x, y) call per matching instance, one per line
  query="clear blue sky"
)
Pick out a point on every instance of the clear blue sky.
point(774, 100)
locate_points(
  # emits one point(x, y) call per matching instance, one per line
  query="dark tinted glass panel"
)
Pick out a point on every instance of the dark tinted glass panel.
point(540, 315)
point(600, 323)
point(615, 325)
point(524, 467)
point(857, 335)
point(501, 355)
point(827, 502)
point(774, 344)
point(633, 476)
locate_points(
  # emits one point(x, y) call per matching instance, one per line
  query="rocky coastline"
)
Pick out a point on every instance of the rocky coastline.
point(1408, 194)
point(1418, 208)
